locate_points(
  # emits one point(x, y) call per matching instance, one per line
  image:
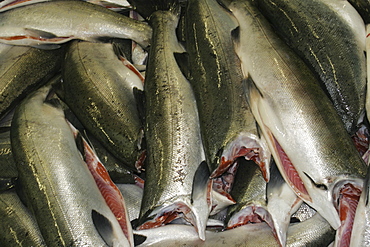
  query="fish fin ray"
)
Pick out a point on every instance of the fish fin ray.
point(139, 239)
point(40, 33)
point(200, 181)
point(103, 226)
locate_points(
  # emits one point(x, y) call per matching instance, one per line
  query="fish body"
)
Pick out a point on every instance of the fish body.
point(8, 168)
point(228, 127)
point(24, 69)
point(109, 109)
point(56, 22)
point(330, 37)
point(18, 226)
point(363, 8)
point(313, 232)
point(310, 145)
point(60, 190)
point(133, 195)
point(115, 5)
point(249, 192)
point(174, 143)
point(108, 189)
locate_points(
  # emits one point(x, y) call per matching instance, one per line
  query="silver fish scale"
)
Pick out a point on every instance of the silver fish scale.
point(330, 37)
point(22, 68)
point(89, 22)
point(54, 176)
point(304, 212)
point(99, 90)
point(18, 225)
point(216, 77)
point(291, 107)
point(172, 124)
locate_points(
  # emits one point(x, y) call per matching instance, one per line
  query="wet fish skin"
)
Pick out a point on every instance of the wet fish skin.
point(215, 74)
point(172, 130)
point(304, 212)
point(116, 169)
point(98, 88)
point(18, 226)
point(56, 180)
point(313, 232)
point(330, 37)
point(133, 195)
point(363, 8)
point(295, 116)
point(7, 163)
point(118, 5)
point(249, 192)
point(24, 69)
point(55, 22)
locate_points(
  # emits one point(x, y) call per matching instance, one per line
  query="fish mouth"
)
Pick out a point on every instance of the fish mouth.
point(249, 146)
point(253, 214)
point(164, 215)
point(346, 198)
point(221, 187)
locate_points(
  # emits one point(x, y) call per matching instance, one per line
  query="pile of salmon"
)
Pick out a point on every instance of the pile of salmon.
point(184, 123)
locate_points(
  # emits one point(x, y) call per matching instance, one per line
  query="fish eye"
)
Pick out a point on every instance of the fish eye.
point(319, 186)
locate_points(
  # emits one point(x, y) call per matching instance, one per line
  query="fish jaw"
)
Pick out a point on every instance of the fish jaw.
point(249, 146)
point(281, 208)
point(253, 214)
point(165, 214)
point(221, 187)
point(220, 201)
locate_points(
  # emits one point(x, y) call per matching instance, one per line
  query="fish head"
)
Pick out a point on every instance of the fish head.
point(325, 196)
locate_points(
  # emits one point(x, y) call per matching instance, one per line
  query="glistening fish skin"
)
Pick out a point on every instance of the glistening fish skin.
point(313, 232)
point(249, 192)
point(296, 117)
point(56, 22)
point(363, 8)
point(172, 130)
point(99, 90)
point(330, 36)
point(133, 195)
point(8, 168)
point(226, 120)
point(59, 188)
point(18, 226)
point(24, 69)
